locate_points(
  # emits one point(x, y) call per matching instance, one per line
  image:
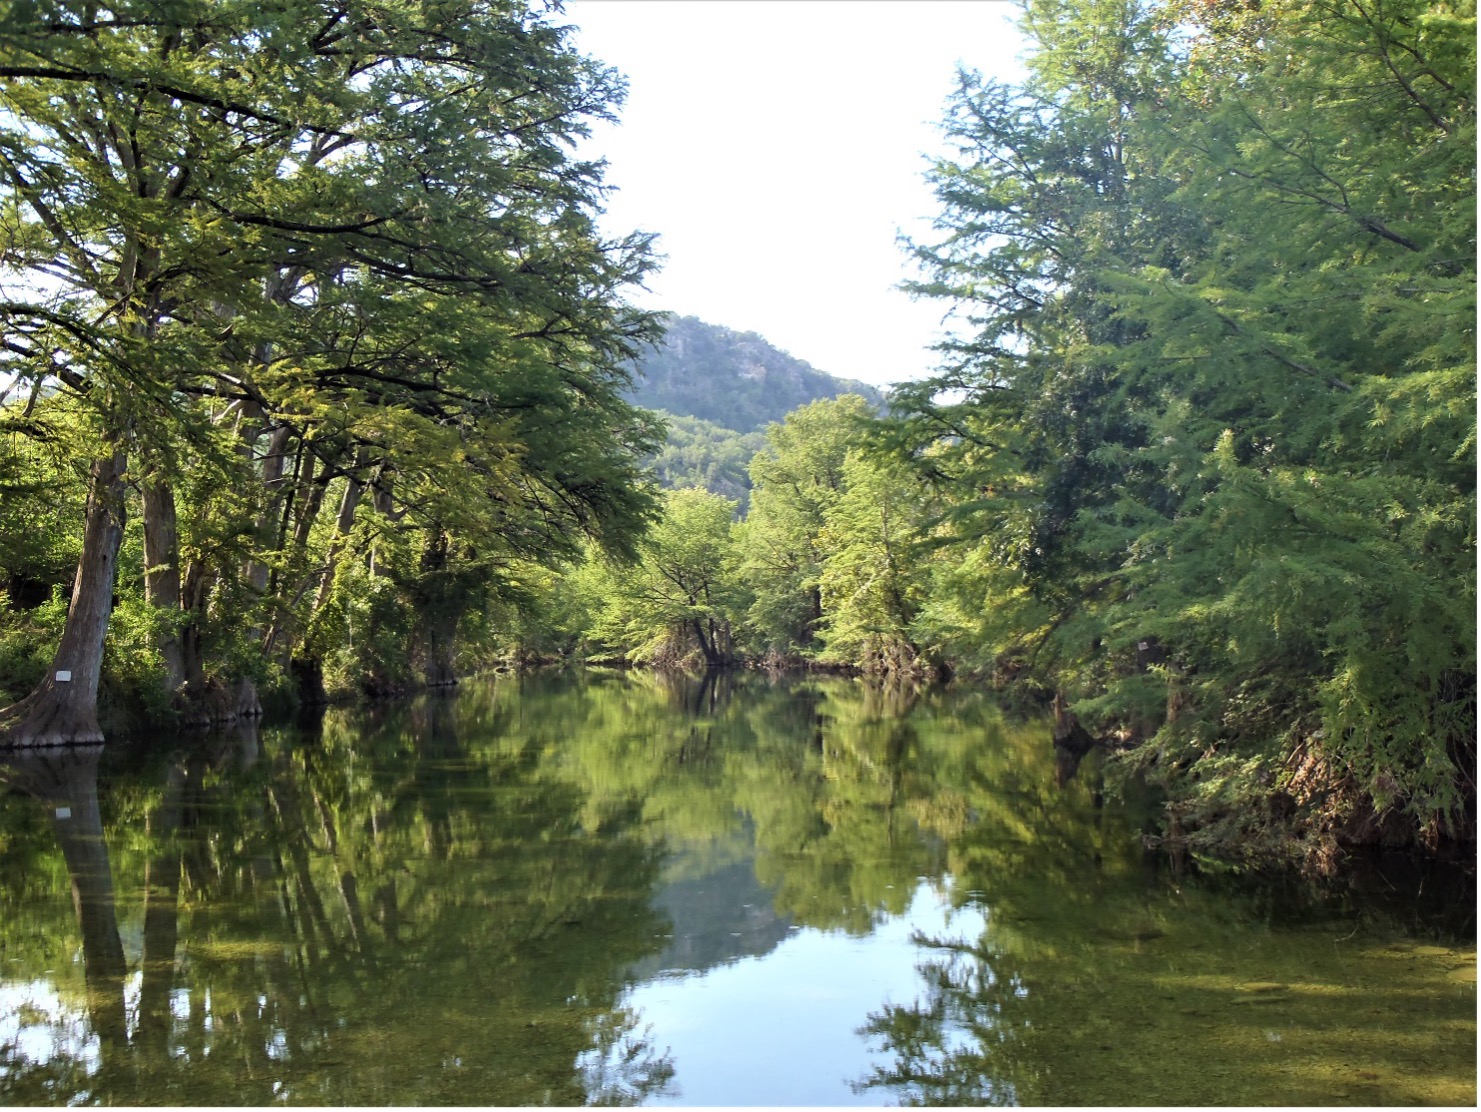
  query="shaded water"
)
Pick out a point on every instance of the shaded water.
point(626, 889)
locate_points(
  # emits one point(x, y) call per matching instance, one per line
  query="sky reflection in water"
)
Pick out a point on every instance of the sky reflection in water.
point(783, 1028)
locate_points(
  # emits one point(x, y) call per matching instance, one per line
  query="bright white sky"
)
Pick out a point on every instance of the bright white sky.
point(778, 148)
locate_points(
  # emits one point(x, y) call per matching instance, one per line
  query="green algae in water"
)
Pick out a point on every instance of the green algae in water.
point(469, 900)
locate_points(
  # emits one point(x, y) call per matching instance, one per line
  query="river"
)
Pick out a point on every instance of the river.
point(633, 889)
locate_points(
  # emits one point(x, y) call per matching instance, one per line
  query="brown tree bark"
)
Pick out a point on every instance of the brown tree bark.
point(306, 667)
point(1068, 732)
point(257, 573)
point(280, 631)
point(711, 655)
point(183, 597)
point(63, 710)
point(162, 572)
point(195, 588)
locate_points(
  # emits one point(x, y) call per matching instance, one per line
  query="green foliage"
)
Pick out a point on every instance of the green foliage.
point(677, 602)
point(42, 493)
point(367, 622)
point(873, 576)
point(702, 454)
point(266, 253)
point(1202, 459)
point(1215, 425)
point(28, 642)
point(135, 691)
point(798, 478)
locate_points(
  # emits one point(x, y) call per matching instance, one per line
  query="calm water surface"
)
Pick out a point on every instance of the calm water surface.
point(632, 890)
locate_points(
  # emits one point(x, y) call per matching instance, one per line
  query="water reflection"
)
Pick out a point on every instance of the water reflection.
point(1102, 977)
point(616, 889)
point(485, 957)
point(65, 785)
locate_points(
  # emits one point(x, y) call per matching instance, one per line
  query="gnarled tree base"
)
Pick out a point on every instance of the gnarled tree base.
point(48, 719)
point(209, 702)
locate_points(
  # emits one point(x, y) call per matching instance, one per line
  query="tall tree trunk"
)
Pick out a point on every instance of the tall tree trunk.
point(697, 627)
point(248, 705)
point(63, 710)
point(345, 522)
point(162, 572)
point(385, 506)
point(305, 510)
point(195, 586)
point(306, 666)
point(814, 623)
point(184, 599)
point(274, 467)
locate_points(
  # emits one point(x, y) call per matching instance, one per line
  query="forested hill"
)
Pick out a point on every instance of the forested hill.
point(734, 379)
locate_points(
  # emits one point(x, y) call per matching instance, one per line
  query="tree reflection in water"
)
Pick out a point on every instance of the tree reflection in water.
point(483, 967)
point(1102, 977)
point(446, 901)
point(64, 783)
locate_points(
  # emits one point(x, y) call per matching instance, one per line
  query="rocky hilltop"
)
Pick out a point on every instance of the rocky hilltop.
point(733, 379)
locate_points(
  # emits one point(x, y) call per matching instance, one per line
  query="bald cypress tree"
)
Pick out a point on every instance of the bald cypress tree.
point(306, 245)
point(1209, 438)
